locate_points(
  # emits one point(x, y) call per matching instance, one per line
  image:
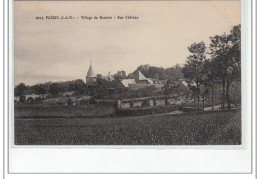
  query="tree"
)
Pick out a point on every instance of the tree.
point(225, 52)
point(204, 90)
point(174, 73)
point(40, 89)
point(119, 76)
point(156, 73)
point(234, 69)
point(20, 89)
point(55, 89)
point(144, 68)
point(71, 86)
point(210, 80)
point(193, 68)
point(150, 72)
point(79, 86)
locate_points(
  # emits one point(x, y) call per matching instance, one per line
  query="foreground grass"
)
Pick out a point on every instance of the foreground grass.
point(54, 111)
point(211, 128)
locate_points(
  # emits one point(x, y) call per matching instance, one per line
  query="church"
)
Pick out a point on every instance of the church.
point(134, 81)
point(92, 76)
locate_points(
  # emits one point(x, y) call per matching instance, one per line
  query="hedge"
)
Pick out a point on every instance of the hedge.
point(148, 110)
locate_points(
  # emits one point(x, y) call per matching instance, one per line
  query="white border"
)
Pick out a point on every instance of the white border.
point(166, 159)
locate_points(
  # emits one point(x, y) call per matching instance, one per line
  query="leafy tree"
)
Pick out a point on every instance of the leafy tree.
point(173, 87)
point(40, 89)
point(151, 72)
point(225, 52)
point(210, 81)
point(144, 68)
point(55, 89)
point(71, 86)
point(119, 76)
point(156, 73)
point(79, 86)
point(193, 68)
point(20, 89)
point(174, 73)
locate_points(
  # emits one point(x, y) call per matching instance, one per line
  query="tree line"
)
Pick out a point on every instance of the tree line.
point(81, 88)
point(220, 63)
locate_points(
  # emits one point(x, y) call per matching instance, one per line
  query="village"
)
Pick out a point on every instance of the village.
point(119, 84)
point(185, 104)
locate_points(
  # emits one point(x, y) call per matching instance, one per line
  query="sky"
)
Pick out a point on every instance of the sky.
point(61, 50)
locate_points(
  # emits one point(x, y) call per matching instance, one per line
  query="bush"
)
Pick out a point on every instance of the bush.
point(148, 110)
point(69, 102)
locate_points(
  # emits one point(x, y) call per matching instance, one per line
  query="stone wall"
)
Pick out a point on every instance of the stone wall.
point(160, 102)
point(141, 86)
point(137, 104)
point(123, 105)
point(149, 101)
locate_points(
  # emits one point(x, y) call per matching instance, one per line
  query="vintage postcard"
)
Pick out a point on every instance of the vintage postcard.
point(130, 87)
point(127, 73)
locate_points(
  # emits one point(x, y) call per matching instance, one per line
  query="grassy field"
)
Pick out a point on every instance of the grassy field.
point(208, 128)
point(54, 111)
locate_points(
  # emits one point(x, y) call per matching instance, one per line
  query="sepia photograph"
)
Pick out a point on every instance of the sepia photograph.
point(127, 73)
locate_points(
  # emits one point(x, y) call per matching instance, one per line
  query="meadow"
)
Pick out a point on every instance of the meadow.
point(197, 128)
point(63, 111)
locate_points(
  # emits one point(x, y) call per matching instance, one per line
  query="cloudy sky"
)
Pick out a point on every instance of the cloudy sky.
point(60, 50)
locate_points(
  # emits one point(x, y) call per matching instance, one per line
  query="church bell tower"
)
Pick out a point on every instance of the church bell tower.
point(91, 76)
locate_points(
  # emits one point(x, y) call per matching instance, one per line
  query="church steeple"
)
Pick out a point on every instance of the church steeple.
point(91, 72)
point(91, 75)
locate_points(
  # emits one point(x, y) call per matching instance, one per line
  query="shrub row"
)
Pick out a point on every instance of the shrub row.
point(148, 110)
